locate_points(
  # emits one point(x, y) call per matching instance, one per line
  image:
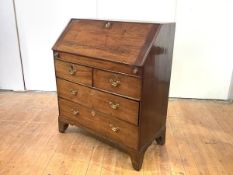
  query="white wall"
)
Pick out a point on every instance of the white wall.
point(10, 66)
point(139, 10)
point(230, 94)
point(40, 23)
point(203, 57)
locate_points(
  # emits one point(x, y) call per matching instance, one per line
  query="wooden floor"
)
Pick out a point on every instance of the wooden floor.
point(199, 141)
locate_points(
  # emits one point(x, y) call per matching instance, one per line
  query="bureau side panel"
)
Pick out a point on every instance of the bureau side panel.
point(155, 88)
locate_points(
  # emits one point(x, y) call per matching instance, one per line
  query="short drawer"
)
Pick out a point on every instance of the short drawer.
point(73, 72)
point(110, 104)
point(112, 128)
point(118, 83)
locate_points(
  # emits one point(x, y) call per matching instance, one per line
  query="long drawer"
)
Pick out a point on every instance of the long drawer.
point(113, 105)
point(112, 128)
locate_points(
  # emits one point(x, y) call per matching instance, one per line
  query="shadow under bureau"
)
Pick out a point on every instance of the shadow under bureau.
point(113, 80)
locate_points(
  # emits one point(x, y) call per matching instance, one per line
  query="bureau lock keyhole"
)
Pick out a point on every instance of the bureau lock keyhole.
point(107, 25)
point(93, 113)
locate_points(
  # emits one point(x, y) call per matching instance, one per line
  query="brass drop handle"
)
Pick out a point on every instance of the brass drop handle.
point(114, 105)
point(75, 112)
point(114, 83)
point(74, 92)
point(114, 128)
point(72, 69)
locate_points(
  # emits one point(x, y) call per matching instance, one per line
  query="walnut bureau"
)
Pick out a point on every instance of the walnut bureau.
point(113, 80)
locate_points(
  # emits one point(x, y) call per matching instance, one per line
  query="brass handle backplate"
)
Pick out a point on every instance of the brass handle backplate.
point(73, 92)
point(114, 105)
point(72, 69)
point(114, 128)
point(115, 83)
point(75, 112)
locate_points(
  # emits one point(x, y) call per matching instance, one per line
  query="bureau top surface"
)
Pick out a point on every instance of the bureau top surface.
point(121, 42)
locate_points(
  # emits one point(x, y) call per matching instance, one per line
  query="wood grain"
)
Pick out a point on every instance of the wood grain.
point(156, 82)
point(199, 141)
point(98, 122)
point(122, 42)
point(73, 72)
point(128, 86)
point(100, 101)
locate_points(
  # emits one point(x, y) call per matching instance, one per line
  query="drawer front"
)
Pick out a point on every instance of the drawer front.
point(114, 129)
point(118, 83)
point(113, 105)
point(73, 72)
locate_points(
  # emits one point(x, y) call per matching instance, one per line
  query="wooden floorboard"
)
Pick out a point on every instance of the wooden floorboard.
point(199, 141)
